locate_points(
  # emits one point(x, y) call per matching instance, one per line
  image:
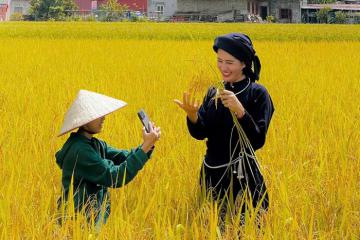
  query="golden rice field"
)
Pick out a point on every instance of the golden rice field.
point(311, 159)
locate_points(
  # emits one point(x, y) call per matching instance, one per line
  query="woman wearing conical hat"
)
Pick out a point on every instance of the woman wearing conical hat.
point(230, 167)
point(91, 165)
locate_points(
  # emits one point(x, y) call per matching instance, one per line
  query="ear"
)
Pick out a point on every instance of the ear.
point(243, 65)
point(84, 127)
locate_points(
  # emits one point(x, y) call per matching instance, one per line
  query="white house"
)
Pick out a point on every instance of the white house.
point(161, 9)
point(19, 6)
point(10, 7)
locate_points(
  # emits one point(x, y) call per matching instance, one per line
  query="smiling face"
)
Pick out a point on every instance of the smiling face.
point(94, 126)
point(230, 67)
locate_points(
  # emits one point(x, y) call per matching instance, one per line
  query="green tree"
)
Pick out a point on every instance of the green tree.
point(323, 14)
point(43, 10)
point(112, 11)
point(270, 19)
point(340, 17)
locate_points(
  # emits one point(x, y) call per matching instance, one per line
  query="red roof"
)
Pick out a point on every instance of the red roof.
point(136, 5)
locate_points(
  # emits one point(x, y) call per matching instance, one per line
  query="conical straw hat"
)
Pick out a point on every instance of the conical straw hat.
point(87, 107)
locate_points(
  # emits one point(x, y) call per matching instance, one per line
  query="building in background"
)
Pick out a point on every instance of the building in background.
point(284, 11)
point(161, 9)
point(350, 7)
point(4, 10)
point(19, 7)
point(9, 8)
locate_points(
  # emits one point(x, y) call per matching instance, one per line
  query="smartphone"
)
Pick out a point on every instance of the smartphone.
point(145, 120)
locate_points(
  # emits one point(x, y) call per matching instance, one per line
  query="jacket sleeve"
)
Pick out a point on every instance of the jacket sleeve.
point(199, 130)
point(93, 168)
point(119, 156)
point(256, 124)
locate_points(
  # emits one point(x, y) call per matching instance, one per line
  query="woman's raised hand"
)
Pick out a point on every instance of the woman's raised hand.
point(150, 138)
point(189, 105)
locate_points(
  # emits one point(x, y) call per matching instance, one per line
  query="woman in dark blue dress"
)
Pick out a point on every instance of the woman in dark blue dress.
point(230, 167)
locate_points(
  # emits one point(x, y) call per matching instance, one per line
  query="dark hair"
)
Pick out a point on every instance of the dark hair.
point(240, 46)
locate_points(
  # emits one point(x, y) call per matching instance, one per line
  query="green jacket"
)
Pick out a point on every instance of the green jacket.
point(95, 166)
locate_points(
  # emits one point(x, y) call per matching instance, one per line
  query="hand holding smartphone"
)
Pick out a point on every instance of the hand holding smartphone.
point(145, 120)
point(151, 134)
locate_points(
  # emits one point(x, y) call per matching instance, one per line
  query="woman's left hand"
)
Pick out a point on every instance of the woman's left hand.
point(230, 101)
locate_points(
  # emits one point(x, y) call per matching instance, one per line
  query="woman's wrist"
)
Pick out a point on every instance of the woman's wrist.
point(193, 117)
point(146, 147)
point(240, 114)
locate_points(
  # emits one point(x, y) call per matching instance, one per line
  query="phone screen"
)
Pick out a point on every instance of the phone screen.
point(145, 120)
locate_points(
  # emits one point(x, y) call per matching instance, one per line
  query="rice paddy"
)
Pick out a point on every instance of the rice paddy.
point(311, 159)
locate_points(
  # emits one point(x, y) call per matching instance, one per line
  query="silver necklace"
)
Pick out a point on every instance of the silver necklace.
point(243, 88)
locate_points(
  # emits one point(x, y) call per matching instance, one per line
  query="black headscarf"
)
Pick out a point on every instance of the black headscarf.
point(240, 46)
